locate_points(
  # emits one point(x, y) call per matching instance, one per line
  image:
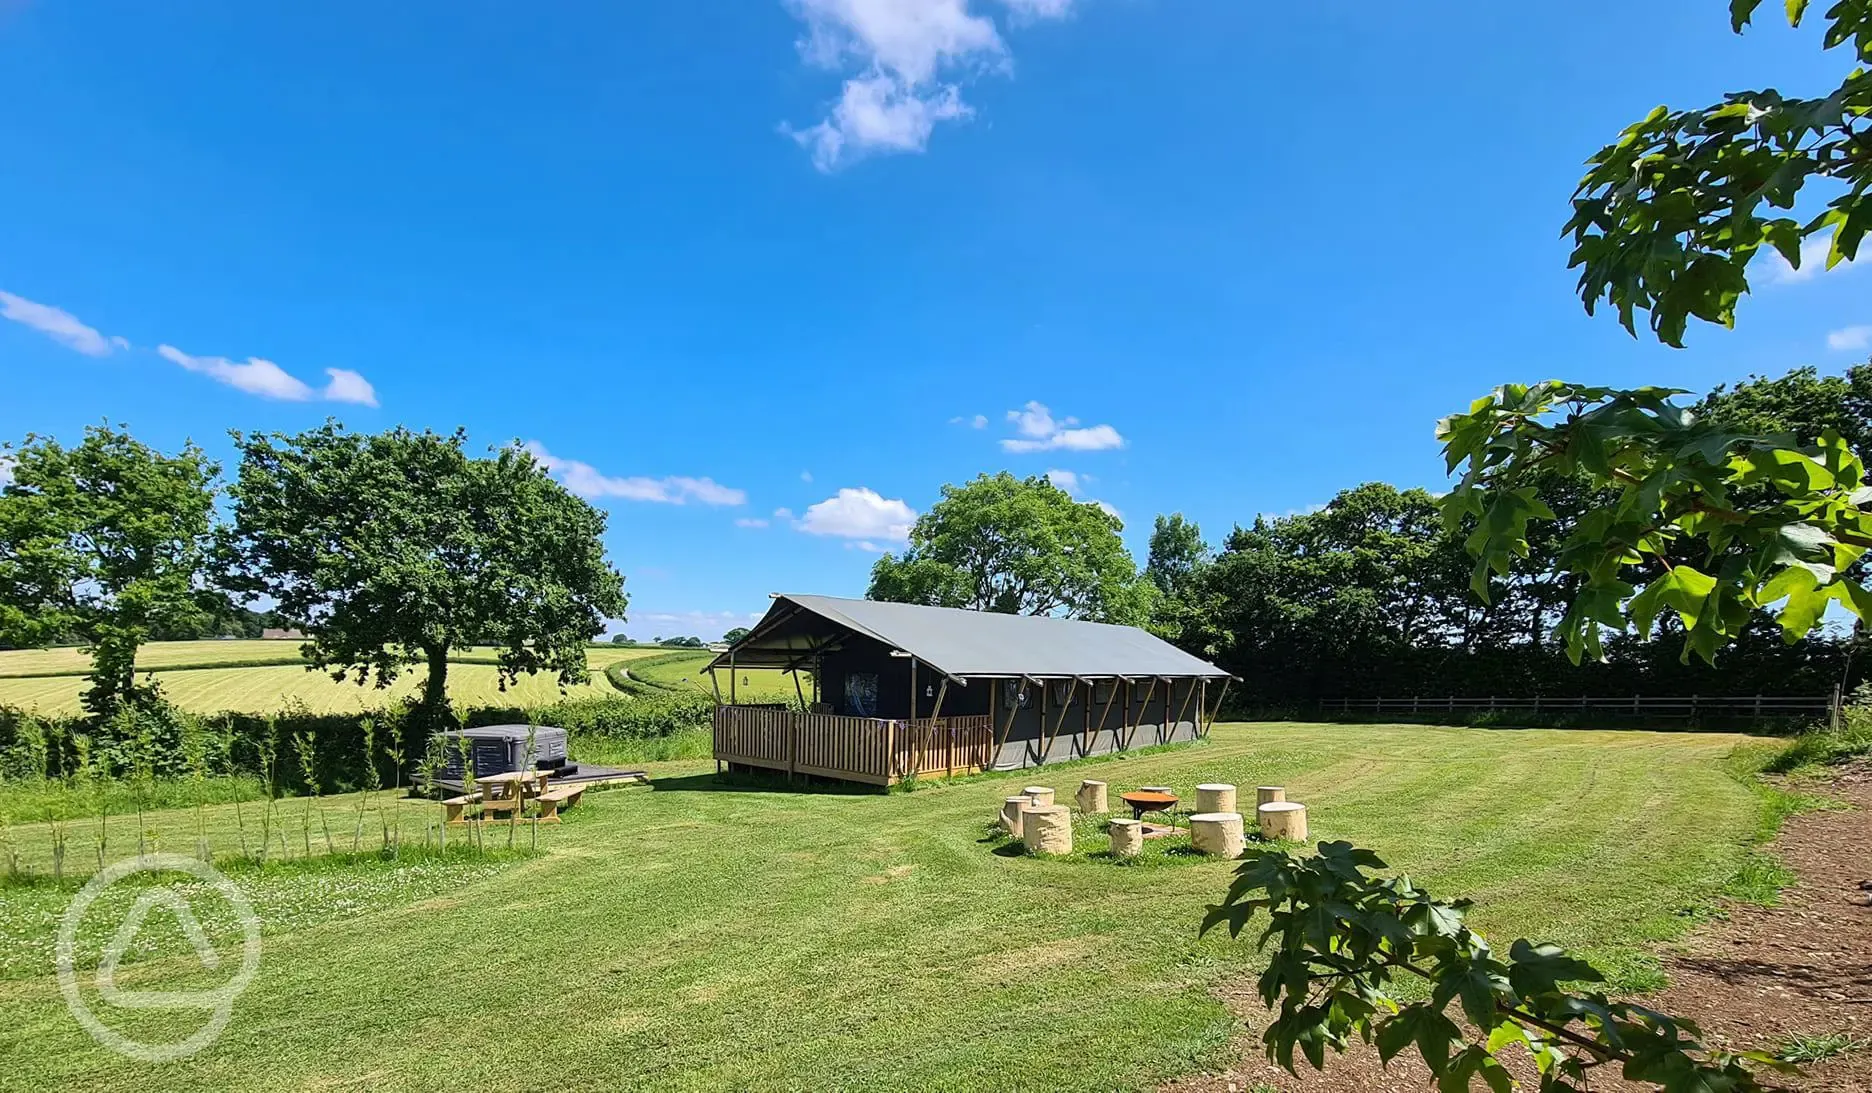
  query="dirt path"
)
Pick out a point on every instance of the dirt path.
point(1759, 976)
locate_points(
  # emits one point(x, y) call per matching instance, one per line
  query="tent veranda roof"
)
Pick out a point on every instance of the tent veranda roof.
point(962, 643)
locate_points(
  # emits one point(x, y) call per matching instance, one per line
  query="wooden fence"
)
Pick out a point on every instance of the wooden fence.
point(856, 749)
point(1690, 708)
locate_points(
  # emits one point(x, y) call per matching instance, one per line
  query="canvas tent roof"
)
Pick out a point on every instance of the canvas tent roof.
point(962, 643)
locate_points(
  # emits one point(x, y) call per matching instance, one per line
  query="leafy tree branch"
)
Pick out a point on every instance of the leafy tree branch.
point(1341, 937)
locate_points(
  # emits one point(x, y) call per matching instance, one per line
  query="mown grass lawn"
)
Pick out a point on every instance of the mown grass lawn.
point(696, 935)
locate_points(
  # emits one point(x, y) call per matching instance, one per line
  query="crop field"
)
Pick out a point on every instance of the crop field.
point(697, 934)
point(266, 676)
point(756, 685)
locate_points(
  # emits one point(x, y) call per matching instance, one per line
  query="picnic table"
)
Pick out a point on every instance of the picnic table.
point(510, 793)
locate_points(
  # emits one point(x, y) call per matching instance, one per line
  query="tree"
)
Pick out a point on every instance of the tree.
point(1181, 610)
point(1802, 404)
point(1017, 546)
point(620, 639)
point(1670, 215)
point(104, 542)
point(1177, 554)
point(735, 635)
point(1666, 220)
point(1344, 938)
point(1773, 526)
point(396, 548)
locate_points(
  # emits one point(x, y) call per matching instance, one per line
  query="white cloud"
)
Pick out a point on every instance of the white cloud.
point(256, 376)
point(1039, 9)
point(1109, 509)
point(1813, 254)
point(6, 469)
point(59, 325)
point(1040, 431)
point(751, 522)
point(978, 421)
point(586, 481)
point(783, 513)
point(878, 114)
point(1850, 338)
point(911, 56)
point(348, 386)
point(859, 514)
point(1069, 481)
point(805, 476)
point(867, 546)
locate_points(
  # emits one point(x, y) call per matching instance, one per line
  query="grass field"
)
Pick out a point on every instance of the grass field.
point(696, 935)
point(756, 685)
point(248, 676)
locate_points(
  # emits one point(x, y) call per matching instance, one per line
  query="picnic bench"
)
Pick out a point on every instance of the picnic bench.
point(509, 795)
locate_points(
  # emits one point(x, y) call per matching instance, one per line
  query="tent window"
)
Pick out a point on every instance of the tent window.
point(1062, 691)
point(1015, 694)
point(1141, 690)
point(1102, 691)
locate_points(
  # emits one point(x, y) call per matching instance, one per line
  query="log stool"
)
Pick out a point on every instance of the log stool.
point(1040, 795)
point(1127, 838)
point(1267, 795)
point(1215, 797)
point(1092, 797)
point(1011, 814)
point(1217, 834)
point(1283, 820)
point(1047, 829)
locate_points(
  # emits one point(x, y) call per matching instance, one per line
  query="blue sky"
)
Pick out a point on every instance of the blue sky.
point(726, 263)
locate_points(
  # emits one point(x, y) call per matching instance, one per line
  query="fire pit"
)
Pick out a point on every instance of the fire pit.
point(1142, 801)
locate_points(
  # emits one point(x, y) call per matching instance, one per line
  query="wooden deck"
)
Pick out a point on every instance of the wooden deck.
point(856, 749)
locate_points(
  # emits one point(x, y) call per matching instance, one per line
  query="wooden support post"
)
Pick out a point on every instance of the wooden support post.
point(1072, 692)
point(1117, 682)
point(715, 682)
point(1137, 725)
point(732, 677)
point(797, 692)
point(913, 691)
point(942, 690)
point(1085, 726)
point(1013, 708)
point(1217, 712)
point(1185, 707)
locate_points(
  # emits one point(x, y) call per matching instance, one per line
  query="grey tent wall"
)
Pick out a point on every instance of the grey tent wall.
point(1170, 716)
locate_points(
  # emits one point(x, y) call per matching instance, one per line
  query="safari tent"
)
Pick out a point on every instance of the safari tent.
point(891, 691)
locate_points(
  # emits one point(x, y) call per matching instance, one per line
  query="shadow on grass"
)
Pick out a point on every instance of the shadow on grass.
point(737, 782)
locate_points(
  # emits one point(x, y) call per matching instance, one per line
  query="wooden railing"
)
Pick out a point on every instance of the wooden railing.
point(856, 749)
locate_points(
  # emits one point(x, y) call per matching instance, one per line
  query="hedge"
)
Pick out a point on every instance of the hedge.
point(160, 741)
